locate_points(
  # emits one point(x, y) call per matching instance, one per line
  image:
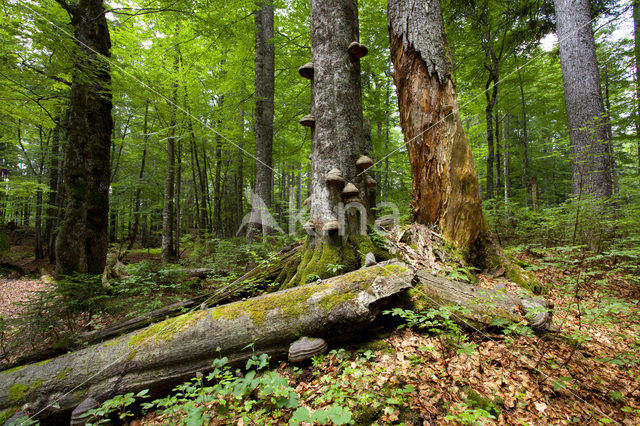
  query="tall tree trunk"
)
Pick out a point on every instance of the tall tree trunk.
point(51, 213)
point(636, 40)
point(491, 97)
point(82, 243)
point(263, 123)
point(387, 118)
point(337, 227)
point(168, 210)
point(498, 154)
point(607, 105)
point(136, 221)
point(445, 188)
point(526, 179)
point(585, 111)
point(505, 159)
point(217, 183)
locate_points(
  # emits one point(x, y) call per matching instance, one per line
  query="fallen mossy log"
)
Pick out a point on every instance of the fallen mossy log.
point(481, 308)
point(253, 279)
point(173, 351)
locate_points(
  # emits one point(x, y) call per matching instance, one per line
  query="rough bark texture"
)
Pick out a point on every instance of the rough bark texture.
point(445, 188)
point(338, 136)
point(636, 50)
point(585, 111)
point(81, 245)
point(174, 350)
point(264, 86)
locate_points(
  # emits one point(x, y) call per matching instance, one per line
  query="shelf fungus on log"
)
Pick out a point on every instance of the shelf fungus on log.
point(334, 177)
point(308, 120)
point(307, 201)
point(309, 226)
point(305, 348)
point(350, 191)
point(79, 414)
point(364, 162)
point(371, 182)
point(306, 70)
point(357, 50)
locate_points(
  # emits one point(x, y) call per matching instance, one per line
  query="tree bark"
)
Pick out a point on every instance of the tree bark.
point(264, 109)
point(168, 209)
point(445, 188)
point(491, 97)
point(173, 351)
point(636, 50)
point(590, 157)
point(526, 180)
point(81, 245)
point(136, 220)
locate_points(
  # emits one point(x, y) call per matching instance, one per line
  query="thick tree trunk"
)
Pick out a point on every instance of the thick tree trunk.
point(445, 188)
point(82, 243)
point(585, 111)
point(172, 351)
point(263, 122)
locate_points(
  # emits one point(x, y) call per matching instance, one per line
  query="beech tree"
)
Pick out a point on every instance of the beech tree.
point(590, 157)
point(339, 200)
point(263, 123)
point(81, 245)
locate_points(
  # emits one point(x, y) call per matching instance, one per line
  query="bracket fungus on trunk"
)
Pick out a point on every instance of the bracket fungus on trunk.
point(332, 226)
point(364, 162)
point(308, 120)
point(306, 70)
point(350, 191)
point(334, 177)
point(357, 50)
point(370, 182)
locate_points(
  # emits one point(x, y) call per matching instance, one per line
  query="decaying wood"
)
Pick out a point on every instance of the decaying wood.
point(174, 350)
point(483, 307)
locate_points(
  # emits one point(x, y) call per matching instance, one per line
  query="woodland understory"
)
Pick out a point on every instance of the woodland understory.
point(308, 212)
point(417, 367)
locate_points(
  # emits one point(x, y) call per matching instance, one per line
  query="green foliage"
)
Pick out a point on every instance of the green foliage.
point(117, 405)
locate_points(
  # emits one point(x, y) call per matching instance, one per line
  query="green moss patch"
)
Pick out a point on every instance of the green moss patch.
point(166, 330)
point(20, 392)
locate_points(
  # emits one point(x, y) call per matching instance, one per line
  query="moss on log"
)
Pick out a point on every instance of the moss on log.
point(172, 351)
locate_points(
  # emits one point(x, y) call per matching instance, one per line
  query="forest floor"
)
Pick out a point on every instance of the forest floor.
point(586, 373)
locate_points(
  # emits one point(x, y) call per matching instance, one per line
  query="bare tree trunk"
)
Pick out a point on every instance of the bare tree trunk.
point(168, 210)
point(82, 243)
point(136, 221)
point(607, 105)
point(263, 122)
point(505, 159)
point(636, 44)
point(445, 188)
point(498, 163)
point(177, 202)
point(526, 179)
point(591, 164)
point(491, 97)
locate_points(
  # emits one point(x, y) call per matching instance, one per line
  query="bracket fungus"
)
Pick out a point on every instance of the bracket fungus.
point(305, 348)
point(308, 120)
point(350, 191)
point(306, 70)
point(371, 182)
point(332, 225)
point(78, 416)
point(357, 50)
point(364, 162)
point(334, 177)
